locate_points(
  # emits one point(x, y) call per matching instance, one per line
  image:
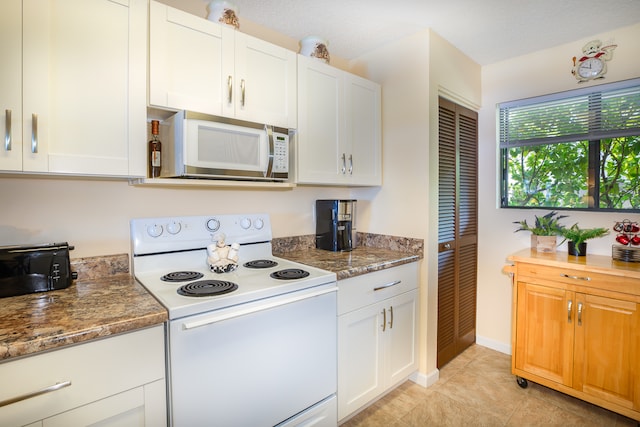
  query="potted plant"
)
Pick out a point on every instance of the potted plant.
point(577, 238)
point(544, 232)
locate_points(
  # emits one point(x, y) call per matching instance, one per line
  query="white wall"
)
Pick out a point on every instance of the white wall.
point(414, 72)
point(93, 215)
point(530, 75)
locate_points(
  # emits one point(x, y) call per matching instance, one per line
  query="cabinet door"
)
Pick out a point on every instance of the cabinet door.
point(11, 85)
point(544, 332)
point(320, 122)
point(402, 351)
point(607, 351)
point(84, 86)
point(190, 61)
point(359, 358)
point(265, 84)
point(362, 144)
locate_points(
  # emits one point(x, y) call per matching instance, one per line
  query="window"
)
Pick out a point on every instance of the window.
point(576, 150)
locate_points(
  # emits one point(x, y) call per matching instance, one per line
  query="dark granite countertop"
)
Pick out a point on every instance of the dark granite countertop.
point(373, 253)
point(105, 300)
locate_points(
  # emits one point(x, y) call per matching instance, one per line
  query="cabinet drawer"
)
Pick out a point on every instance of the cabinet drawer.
point(95, 370)
point(584, 278)
point(370, 288)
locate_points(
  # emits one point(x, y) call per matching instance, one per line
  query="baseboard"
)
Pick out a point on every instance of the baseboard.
point(494, 345)
point(425, 380)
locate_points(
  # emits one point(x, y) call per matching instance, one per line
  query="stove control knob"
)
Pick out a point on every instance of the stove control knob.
point(245, 223)
point(174, 227)
point(258, 223)
point(154, 230)
point(213, 224)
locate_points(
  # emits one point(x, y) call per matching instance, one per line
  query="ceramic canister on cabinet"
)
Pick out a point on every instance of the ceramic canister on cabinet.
point(315, 47)
point(223, 12)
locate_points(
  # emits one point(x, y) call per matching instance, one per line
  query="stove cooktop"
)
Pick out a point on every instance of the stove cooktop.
point(170, 261)
point(252, 283)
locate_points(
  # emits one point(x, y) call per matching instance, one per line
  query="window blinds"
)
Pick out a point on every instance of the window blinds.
point(604, 111)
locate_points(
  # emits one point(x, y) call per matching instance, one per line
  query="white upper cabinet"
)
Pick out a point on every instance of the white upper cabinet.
point(339, 127)
point(82, 78)
point(188, 57)
point(265, 83)
point(11, 85)
point(199, 65)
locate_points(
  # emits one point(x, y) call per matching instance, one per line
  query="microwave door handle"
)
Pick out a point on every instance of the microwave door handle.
point(269, 171)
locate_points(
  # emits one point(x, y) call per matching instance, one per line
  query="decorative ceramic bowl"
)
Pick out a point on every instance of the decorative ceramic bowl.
point(315, 47)
point(223, 12)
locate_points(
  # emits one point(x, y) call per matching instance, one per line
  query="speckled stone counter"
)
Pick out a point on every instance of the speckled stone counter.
point(374, 252)
point(105, 300)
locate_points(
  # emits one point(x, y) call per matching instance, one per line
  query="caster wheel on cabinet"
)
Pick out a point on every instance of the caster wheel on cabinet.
point(522, 382)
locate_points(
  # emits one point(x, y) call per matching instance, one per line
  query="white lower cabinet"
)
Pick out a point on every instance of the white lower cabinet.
point(377, 333)
point(118, 381)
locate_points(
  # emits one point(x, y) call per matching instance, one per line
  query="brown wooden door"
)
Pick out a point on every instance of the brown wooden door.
point(457, 229)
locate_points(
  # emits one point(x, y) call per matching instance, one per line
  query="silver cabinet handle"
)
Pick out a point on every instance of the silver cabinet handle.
point(51, 388)
point(579, 314)
point(388, 285)
point(344, 163)
point(230, 89)
point(7, 130)
point(569, 306)
point(242, 92)
point(391, 322)
point(34, 133)
point(384, 319)
point(587, 278)
point(350, 164)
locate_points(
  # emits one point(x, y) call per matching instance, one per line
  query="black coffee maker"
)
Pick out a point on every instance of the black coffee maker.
point(335, 225)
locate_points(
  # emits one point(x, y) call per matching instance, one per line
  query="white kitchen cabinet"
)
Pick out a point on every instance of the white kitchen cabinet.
point(113, 381)
point(339, 127)
point(80, 69)
point(11, 85)
point(203, 66)
point(377, 335)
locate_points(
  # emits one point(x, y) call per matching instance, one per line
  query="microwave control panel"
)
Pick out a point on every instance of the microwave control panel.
point(280, 152)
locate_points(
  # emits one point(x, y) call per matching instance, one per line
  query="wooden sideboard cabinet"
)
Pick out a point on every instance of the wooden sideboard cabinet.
point(576, 327)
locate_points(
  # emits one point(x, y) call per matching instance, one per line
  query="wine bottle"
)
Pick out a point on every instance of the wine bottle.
point(155, 151)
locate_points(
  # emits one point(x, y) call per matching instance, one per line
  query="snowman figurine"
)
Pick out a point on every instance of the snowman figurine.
point(222, 258)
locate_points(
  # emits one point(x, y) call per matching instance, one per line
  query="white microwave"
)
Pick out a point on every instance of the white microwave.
point(204, 146)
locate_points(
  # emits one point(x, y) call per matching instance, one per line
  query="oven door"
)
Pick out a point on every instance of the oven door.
point(256, 364)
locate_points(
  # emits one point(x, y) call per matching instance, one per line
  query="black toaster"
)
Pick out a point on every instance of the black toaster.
point(35, 268)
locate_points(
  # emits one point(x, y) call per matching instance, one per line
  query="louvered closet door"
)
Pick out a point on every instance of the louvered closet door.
point(457, 229)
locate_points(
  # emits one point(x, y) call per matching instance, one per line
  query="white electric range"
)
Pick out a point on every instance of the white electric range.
point(252, 346)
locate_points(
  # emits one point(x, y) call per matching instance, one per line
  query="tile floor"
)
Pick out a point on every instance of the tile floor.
point(477, 389)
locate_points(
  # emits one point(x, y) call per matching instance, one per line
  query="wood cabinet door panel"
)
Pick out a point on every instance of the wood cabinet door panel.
point(360, 341)
point(607, 341)
point(544, 332)
point(176, 43)
point(402, 336)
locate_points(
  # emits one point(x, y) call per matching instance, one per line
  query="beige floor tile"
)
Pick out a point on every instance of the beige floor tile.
point(478, 389)
point(441, 410)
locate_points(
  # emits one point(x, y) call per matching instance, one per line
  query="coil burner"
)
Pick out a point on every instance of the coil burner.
point(289, 274)
point(207, 288)
point(260, 263)
point(181, 276)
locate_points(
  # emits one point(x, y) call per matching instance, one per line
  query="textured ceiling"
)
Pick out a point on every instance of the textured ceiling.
point(487, 31)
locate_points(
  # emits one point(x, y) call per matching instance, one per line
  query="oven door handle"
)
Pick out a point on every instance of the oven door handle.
point(243, 312)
